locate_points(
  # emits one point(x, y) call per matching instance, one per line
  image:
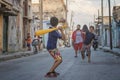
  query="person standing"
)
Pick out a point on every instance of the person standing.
point(77, 40)
point(52, 47)
point(89, 36)
point(40, 43)
point(29, 40)
point(35, 44)
point(95, 41)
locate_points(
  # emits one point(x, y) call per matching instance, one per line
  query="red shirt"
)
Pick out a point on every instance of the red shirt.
point(74, 35)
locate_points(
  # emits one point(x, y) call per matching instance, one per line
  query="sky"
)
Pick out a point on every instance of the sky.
point(84, 11)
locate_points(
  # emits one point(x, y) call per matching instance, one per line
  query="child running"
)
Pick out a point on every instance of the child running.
point(52, 47)
point(89, 36)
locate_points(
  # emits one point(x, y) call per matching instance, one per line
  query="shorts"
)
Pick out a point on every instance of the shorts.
point(86, 48)
point(28, 45)
point(55, 54)
point(78, 46)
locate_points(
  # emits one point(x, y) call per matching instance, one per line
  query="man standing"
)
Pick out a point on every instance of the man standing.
point(77, 40)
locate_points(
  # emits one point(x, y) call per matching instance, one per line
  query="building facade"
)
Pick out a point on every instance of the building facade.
point(104, 31)
point(116, 27)
point(11, 25)
point(27, 20)
point(7, 10)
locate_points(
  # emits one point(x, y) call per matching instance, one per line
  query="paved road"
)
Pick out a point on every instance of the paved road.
point(104, 66)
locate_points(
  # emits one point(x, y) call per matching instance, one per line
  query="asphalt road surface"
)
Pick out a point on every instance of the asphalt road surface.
point(103, 66)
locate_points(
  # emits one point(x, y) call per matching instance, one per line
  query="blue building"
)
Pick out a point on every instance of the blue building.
point(46, 25)
point(116, 26)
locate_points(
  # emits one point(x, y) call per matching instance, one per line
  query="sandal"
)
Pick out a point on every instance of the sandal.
point(51, 75)
point(56, 73)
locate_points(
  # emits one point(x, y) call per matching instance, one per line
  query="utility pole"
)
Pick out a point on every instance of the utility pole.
point(72, 26)
point(110, 26)
point(41, 14)
point(98, 16)
point(41, 18)
point(102, 22)
point(71, 18)
point(66, 9)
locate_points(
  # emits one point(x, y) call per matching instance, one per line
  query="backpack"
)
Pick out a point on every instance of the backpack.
point(88, 38)
point(35, 42)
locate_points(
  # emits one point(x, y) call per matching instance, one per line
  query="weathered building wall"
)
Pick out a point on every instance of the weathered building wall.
point(1, 32)
point(12, 37)
point(54, 8)
point(50, 8)
point(116, 17)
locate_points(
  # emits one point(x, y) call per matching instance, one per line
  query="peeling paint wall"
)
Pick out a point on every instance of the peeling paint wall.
point(15, 33)
point(54, 8)
point(12, 34)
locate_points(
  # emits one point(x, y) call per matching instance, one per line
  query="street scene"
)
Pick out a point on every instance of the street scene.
point(59, 39)
point(103, 66)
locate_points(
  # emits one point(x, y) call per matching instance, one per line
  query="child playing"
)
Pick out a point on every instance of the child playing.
point(52, 47)
point(28, 40)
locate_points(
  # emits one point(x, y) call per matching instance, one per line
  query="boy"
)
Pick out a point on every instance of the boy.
point(52, 47)
point(77, 39)
point(28, 40)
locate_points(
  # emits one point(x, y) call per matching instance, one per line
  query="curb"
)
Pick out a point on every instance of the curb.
point(111, 51)
point(15, 55)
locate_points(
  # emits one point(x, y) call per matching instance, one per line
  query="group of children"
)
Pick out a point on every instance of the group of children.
point(81, 40)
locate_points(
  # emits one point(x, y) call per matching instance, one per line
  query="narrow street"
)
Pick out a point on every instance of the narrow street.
point(103, 66)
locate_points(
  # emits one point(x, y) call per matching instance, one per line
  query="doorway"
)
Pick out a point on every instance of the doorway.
point(5, 34)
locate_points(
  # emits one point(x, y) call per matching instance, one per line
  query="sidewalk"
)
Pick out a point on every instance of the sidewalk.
point(9, 56)
point(115, 51)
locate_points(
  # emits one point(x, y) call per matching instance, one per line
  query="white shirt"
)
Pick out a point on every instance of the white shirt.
point(78, 37)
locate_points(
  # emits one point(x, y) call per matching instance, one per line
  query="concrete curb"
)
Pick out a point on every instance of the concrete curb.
point(117, 53)
point(15, 55)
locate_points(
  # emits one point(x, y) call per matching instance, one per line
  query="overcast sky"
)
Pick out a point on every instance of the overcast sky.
point(84, 10)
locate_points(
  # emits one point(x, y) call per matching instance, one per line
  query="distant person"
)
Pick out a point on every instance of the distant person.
point(28, 40)
point(77, 40)
point(95, 40)
point(52, 47)
point(87, 43)
point(40, 42)
point(35, 44)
